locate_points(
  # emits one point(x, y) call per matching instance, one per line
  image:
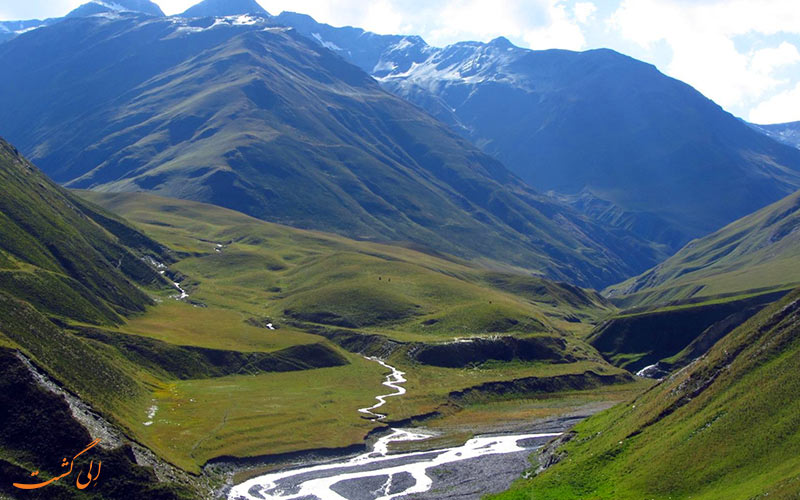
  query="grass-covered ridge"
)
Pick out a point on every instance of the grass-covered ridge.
point(64, 256)
point(757, 253)
point(265, 270)
point(728, 426)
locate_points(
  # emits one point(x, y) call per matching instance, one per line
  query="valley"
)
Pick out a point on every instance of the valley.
point(295, 280)
point(268, 257)
point(245, 355)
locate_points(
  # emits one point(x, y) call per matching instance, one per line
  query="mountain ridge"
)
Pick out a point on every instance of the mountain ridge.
point(755, 253)
point(596, 124)
point(787, 133)
point(382, 169)
point(102, 7)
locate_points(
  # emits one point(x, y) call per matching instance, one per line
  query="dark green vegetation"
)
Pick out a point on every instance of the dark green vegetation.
point(37, 430)
point(728, 426)
point(268, 123)
point(66, 257)
point(755, 254)
point(624, 143)
point(189, 362)
point(672, 336)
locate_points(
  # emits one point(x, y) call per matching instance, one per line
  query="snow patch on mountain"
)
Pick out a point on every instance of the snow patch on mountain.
point(188, 26)
point(326, 44)
point(19, 32)
point(412, 63)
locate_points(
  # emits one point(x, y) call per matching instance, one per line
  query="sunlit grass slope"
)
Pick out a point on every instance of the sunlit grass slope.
point(270, 271)
point(728, 427)
point(760, 252)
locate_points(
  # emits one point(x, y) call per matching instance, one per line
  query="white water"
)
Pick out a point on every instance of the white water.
point(183, 294)
point(162, 270)
point(318, 480)
point(151, 413)
point(318, 484)
point(643, 371)
point(393, 381)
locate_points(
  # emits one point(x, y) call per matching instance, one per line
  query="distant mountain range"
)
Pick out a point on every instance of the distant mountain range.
point(619, 140)
point(12, 29)
point(647, 160)
point(251, 116)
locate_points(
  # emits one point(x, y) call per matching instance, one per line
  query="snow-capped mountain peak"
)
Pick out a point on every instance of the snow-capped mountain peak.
point(96, 7)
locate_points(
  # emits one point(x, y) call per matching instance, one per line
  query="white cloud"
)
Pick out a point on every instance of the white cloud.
point(766, 61)
point(171, 7)
point(701, 35)
point(535, 23)
point(562, 32)
point(781, 108)
point(584, 11)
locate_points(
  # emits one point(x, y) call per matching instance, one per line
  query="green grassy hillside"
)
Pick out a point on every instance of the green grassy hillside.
point(728, 426)
point(757, 253)
point(285, 274)
point(62, 261)
point(65, 256)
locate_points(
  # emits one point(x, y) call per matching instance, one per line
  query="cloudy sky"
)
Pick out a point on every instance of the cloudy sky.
point(743, 54)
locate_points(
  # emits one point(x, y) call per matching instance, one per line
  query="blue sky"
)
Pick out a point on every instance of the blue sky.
point(743, 54)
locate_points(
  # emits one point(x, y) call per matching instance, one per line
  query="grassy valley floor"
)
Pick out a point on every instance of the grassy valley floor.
point(252, 392)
